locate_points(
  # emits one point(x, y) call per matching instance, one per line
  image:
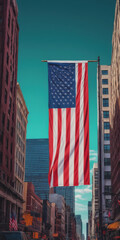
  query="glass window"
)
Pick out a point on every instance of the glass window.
point(106, 125)
point(104, 81)
point(8, 40)
point(6, 161)
point(7, 58)
point(105, 102)
point(106, 114)
point(3, 119)
point(108, 203)
point(107, 175)
point(107, 162)
point(105, 90)
point(7, 143)
point(106, 148)
point(1, 157)
point(104, 72)
point(107, 189)
point(106, 136)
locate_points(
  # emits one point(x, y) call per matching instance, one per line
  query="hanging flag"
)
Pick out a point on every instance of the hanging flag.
point(68, 124)
point(13, 223)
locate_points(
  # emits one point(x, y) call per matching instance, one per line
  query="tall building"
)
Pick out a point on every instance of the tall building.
point(115, 114)
point(86, 231)
point(20, 146)
point(60, 218)
point(95, 207)
point(89, 218)
point(8, 79)
point(69, 195)
point(78, 226)
point(104, 140)
point(37, 166)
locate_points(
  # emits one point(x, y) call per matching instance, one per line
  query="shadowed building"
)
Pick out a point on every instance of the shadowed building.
point(37, 166)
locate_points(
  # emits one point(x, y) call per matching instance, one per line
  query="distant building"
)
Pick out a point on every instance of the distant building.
point(69, 195)
point(60, 218)
point(32, 209)
point(37, 166)
point(78, 226)
point(9, 30)
point(95, 205)
point(89, 218)
point(104, 137)
point(86, 231)
point(115, 115)
point(20, 146)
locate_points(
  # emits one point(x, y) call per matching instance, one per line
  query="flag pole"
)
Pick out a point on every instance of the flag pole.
point(71, 61)
point(99, 155)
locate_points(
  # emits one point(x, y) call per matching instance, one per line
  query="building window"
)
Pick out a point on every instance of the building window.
point(11, 164)
point(10, 104)
point(8, 40)
point(6, 161)
point(107, 162)
point(8, 124)
point(106, 148)
point(106, 136)
point(105, 90)
point(105, 102)
point(9, 20)
point(106, 114)
point(7, 74)
point(1, 157)
point(104, 81)
point(11, 148)
point(11, 131)
point(107, 189)
point(104, 72)
point(5, 96)
point(107, 175)
point(3, 119)
point(7, 58)
point(108, 203)
point(106, 125)
point(7, 143)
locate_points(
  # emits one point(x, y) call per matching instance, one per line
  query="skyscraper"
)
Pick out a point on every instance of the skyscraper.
point(104, 140)
point(78, 226)
point(37, 166)
point(69, 195)
point(8, 79)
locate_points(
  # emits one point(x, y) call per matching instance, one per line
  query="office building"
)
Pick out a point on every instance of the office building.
point(89, 218)
point(20, 146)
point(69, 195)
point(78, 226)
point(37, 166)
point(95, 206)
point(104, 141)
point(9, 30)
point(115, 115)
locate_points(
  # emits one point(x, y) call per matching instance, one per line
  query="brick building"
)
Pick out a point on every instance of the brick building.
point(9, 29)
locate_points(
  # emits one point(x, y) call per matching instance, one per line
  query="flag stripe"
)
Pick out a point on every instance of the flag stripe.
point(77, 120)
point(67, 148)
point(86, 129)
point(62, 149)
point(55, 169)
point(81, 129)
point(50, 142)
point(55, 135)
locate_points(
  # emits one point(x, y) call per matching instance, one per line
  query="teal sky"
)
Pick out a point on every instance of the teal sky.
point(62, 30)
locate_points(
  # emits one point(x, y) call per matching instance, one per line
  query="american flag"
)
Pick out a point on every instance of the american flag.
point(68, 124)
point(13, 224)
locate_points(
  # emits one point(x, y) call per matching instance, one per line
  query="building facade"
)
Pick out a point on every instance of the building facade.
point(32, 209)
point(69, 195)
point(9, 30)
point(95, 205)
point(60, 217)
point(20, 146)
point(115, 114)
point(78, 226)
point(105, 190)
point(89, 218)
point(37, 166)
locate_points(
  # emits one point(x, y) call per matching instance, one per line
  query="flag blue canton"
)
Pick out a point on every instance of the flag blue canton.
point(61, 78)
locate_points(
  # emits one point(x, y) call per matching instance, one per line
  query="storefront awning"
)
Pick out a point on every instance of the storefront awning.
point(114, 226)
